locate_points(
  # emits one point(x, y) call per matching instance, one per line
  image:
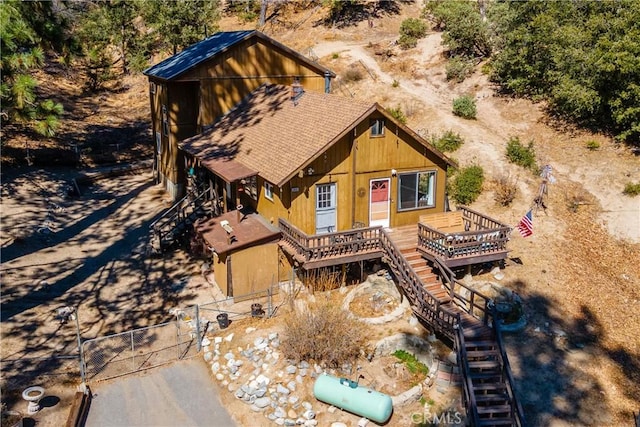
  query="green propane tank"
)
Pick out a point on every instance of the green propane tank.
point(350, 396)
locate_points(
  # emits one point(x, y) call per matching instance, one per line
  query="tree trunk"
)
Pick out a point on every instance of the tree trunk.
point(263, 12)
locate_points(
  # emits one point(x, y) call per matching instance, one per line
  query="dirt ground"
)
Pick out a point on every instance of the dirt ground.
point(576, 363)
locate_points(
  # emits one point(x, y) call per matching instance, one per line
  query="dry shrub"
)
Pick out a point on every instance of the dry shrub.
point(505, 190)
point(352, 74)
point(323, 333)
point(323, 280)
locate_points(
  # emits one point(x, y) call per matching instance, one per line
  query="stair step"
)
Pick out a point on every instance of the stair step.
point(485, 399)
point(489, 388)
point(473, 354)
point(489, 422)
point(483, 364)
point(490, 410)
point(483, 377)
point(491, 345)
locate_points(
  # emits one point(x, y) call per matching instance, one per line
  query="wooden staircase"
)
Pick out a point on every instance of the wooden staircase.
point(476, 344)
point(177, 221)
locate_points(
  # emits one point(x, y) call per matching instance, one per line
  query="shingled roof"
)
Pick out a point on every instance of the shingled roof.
point(275, 137)
point(195, 54)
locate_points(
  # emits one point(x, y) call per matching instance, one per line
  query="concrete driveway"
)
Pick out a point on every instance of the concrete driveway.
point(181, 394)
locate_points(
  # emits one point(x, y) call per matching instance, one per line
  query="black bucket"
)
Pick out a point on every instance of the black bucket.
point(256, 310)
point(223, 320)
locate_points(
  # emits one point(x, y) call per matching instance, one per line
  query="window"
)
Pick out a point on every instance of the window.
point(416, 190)
point(377, 127)
point(250, 186)
point(268, 190)
point(325, 196)
point(165, 120)
point(158, 143)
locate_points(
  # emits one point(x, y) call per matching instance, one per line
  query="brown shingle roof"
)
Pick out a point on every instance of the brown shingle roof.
point(274, 136)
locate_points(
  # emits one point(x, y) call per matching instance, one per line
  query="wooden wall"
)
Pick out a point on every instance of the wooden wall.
point(200, 96)
point(232, 75)
point(351, 163)
point(248, 276)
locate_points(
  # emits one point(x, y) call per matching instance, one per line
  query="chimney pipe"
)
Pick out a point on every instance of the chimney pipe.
point(327, 82)
point(239, 216)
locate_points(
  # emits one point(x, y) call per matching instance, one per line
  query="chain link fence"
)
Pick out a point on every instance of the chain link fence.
point(132, 351)
point(139, 349)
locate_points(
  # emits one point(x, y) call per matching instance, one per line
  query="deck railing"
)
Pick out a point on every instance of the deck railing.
point(483, 236)
point(322, 246)
point(516, 407)
point(466, 298)
point(424, 304)
point(468, 396)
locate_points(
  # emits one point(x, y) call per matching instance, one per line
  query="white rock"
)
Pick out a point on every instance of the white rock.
point(228, 356)
point(206, 348)
point(215, 367)
point(310, 423)
point(291, 369)
point(362, 422)
point(291, 386)
point(273, 336)
point(258, 341)
point(249, 330)
point(206, 341)
point(208, 356)
point(306, 405)
point(224, 383)
point(229, 337)
point(262, 380)
point(219, 376)
point(217, 340)
point(309, 414)
point(282, 390)
point(413, 321)
point(262, 402)
point(332, 409)
point(280, 421)
point(338, 424)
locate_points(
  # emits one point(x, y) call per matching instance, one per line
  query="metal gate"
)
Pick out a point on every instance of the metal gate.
point(132, 351)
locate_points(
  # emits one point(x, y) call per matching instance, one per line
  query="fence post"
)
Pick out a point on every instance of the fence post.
point(198, 340)
point(133, 355)
point(82, 373)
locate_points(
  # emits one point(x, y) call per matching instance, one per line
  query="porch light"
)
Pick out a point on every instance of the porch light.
point(310, 171)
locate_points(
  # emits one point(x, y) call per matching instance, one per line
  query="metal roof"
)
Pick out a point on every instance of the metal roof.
point(195, 54)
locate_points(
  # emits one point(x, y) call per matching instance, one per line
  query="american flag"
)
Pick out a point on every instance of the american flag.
point(525, 226)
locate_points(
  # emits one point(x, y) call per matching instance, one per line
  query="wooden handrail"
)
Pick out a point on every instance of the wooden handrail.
point(470, 399)
point(516, 406)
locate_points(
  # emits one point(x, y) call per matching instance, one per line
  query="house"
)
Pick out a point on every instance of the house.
point(193, 88)
point(320, 164)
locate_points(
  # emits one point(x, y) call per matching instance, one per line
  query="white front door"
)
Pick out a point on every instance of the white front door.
point(379, 201)
point(326, 218)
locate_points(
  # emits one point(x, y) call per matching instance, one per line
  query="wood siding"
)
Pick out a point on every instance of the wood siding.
point(351, 164)
point(247, 276)
point(200, 96)
point(230, 76)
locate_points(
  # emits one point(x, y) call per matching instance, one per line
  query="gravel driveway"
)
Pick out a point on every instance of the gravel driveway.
point(181, 394)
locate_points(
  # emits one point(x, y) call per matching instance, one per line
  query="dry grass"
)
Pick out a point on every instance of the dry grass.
point(323, 333)
point(323, 280)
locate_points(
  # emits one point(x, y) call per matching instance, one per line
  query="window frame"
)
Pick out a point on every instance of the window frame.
point(376, 127)
point(268, 190)
point(433, 189)
point(165, 121)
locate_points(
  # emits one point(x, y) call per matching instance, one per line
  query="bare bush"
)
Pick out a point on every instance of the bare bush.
point(322, 280)
point(323, 333)
point(505, 190)
point(352, 74)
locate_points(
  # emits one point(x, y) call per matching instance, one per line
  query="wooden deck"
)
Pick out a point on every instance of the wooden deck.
point(463, 237)
point(438, 299)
